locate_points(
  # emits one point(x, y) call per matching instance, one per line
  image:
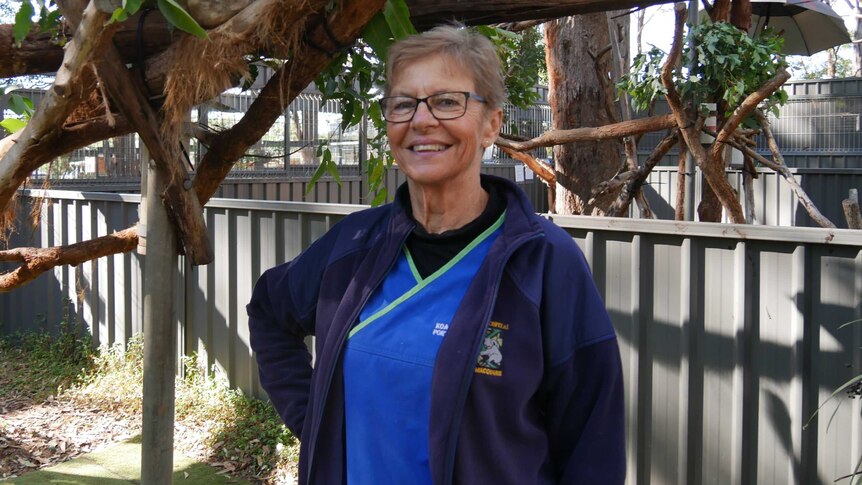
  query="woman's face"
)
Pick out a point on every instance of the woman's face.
point(434, 152)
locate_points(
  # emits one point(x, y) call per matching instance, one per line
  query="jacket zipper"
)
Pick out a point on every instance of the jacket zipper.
point(465, 384)
point(342, 339)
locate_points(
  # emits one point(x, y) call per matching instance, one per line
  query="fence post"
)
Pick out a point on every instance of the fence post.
point(160, 275)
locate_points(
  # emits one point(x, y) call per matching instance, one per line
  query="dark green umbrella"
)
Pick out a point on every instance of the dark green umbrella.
point(808, 26)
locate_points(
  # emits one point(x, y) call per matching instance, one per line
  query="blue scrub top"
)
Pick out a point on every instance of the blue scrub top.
point(389, 362)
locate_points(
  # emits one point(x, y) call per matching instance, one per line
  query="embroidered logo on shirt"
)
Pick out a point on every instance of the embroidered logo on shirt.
point(440, 329)
point(490, 360)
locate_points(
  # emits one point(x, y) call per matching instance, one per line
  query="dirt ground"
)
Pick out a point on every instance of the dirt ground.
point(35, 435)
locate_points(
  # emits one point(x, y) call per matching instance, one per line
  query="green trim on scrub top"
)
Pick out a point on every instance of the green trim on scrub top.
point(430, 279)
point(412, 265)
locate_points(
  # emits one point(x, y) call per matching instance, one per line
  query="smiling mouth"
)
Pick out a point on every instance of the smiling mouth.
point(428, 148)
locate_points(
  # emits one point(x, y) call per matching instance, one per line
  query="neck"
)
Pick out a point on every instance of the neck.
point(444, 208)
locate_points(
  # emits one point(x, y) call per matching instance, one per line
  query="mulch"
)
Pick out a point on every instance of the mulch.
point(34, 435)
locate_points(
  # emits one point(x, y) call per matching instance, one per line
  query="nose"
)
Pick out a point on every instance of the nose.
point(423, 117)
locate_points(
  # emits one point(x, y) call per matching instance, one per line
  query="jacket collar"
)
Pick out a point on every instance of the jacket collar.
point(520, 215)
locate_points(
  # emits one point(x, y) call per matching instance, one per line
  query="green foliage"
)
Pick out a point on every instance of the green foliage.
point(37, 364)
point(48, 21)
point(21, 106)
point(725, 62)
point(179, 18)
point(23, 21)
point(523, 58)
point(643, 84)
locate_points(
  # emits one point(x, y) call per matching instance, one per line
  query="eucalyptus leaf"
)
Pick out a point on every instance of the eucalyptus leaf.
point(119, 15)
point(13, 125)
point(321, 169)
point(21, 105)
point(398, 18)
point(132, 6)
point(179, 18)
point(23, 21)
point(378, 35)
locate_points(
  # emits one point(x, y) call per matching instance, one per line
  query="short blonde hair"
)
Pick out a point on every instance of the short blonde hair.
point(472, 51)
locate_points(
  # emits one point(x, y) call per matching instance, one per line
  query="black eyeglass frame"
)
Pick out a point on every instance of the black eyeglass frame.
point(467, 96)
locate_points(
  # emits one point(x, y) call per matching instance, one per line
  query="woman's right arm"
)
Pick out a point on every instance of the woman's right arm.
point(281, 315)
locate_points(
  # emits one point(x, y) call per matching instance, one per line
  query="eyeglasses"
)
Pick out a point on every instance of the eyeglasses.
point(443, 106)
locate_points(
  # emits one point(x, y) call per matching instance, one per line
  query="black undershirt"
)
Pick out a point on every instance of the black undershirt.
point(430, 252)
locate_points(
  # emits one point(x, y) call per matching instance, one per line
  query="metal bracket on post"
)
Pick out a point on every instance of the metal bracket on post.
point(160, 337)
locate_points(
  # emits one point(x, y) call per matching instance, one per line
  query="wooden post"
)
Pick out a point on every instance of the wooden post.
point(160, 275)
point(851, 210)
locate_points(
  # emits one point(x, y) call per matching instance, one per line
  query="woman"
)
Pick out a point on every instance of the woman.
point(459, 337)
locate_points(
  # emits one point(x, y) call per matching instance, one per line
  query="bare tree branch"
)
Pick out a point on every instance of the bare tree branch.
point(632, 184)
point(679, 205)
point(545, 174)
point(38, 260)
point(575, 135)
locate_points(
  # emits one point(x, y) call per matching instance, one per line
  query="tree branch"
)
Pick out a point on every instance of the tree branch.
point(182, 203)
point(91, 37)
point(714, 173)
point(633, 180)
point(38, 260)
point(575, 135)
point(748, 105)
point(782, 169)
point(228, 146)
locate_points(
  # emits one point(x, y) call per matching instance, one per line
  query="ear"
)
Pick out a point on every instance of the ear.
point(494, 120)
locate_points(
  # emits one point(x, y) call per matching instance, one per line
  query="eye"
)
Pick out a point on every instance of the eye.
point(447, 101)
point(402, 104)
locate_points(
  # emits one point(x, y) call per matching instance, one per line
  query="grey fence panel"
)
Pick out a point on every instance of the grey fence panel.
point(728, 334)
point(103, 295)
point(730, 340)
point(775, 204)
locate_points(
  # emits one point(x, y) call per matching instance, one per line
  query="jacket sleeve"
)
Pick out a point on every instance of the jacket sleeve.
point(583, 381)
point(586, 416)
point(281, 315)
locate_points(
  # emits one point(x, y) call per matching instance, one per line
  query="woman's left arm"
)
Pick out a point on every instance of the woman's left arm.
point(582, 386)
point(586, 416)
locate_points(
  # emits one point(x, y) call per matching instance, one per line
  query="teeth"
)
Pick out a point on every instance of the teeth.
point(429, 148)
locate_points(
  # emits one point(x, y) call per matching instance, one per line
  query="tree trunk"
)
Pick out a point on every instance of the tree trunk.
point(577, 99)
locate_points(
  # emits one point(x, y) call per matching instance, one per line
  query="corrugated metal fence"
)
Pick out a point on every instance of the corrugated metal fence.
point(775, 204)
point(729, 334)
